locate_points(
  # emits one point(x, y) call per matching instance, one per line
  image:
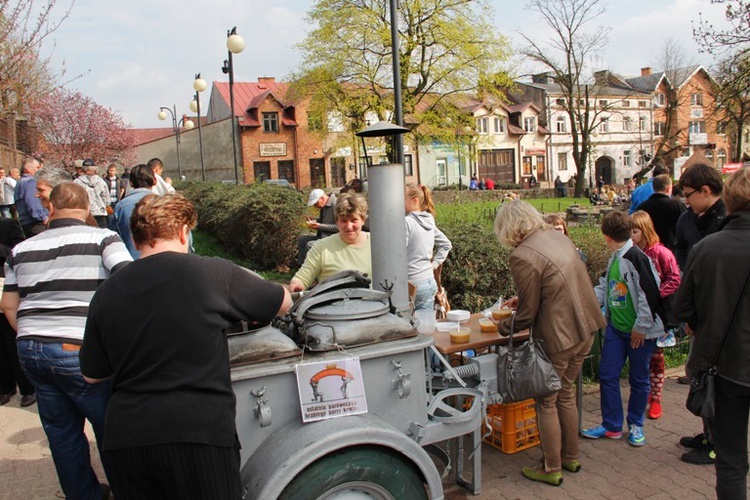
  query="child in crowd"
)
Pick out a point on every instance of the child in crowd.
point(629, 292)
point(645, 237)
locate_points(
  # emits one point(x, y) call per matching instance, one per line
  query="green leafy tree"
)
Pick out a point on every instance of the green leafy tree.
point(445, 49)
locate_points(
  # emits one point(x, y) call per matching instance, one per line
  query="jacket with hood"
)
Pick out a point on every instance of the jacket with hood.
point(639, 274)
point(98, 192)
point(422, 236)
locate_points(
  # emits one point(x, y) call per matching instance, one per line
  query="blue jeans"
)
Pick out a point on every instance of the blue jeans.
point(424, 300)
point(65, 401)
point(615, 351)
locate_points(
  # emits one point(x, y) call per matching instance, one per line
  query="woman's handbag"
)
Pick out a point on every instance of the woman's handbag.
point(525, 371)
point(701, 398)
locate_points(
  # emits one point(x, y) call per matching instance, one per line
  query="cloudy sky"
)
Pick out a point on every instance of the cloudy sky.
point(134, 56)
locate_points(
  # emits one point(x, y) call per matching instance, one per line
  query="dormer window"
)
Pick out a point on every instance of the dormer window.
point(529, 125)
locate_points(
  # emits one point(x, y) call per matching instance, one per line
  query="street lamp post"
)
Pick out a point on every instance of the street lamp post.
point(235, 45)
point(188, 124)
point(199, 84)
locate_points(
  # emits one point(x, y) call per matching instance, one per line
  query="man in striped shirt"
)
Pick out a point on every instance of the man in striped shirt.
point(50, 280)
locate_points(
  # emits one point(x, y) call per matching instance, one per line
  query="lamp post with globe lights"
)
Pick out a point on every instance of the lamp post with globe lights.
point(235, 45)
point(199, 84)
point(187, 123)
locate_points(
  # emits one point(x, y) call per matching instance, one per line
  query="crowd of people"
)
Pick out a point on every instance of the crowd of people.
point(674, 265)
point(75, 248)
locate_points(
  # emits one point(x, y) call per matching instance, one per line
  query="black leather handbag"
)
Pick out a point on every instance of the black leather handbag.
point(525, 371)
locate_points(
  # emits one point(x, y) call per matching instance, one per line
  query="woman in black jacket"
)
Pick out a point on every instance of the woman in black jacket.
point(715, 274)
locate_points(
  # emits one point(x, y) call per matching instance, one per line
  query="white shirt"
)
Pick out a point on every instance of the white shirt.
point(161, 187)
point(9, 186)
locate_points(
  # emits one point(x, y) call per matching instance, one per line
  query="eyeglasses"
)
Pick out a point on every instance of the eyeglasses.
point(688, 195)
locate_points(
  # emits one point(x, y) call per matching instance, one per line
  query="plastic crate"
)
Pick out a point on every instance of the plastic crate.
point(513, 426)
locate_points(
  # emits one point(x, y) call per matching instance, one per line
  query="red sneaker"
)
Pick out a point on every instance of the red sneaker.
point(654, 410)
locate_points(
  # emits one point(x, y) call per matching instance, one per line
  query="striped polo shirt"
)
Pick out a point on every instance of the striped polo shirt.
point(56, 274)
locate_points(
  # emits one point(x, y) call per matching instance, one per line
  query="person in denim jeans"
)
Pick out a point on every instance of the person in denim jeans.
point(49, 282)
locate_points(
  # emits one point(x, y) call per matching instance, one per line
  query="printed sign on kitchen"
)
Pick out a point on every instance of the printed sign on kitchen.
point(329, 389)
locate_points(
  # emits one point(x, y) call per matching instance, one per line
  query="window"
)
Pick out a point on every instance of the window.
point(721, 128)
point(604, 125)
point(482, 125)
point(560, 102)
point(314, 121)
point(603, 103)
point(697, 127)
point(408, 166)
point(659, 128)
point(721, 158)
point(626, 158)
point(286, 170)
point(642, 123)
point(642, 104)
point(499, 124)
point(561, 124)
point(659, 99)
point(625, 104)
point(696, 99)
point(709, 154)
point(526, 165)
point(562, 161)
point(627, 125)
point(270, 122)
point(529, 124)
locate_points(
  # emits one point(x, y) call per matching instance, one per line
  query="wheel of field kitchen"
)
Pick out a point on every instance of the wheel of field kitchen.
point(363, 472)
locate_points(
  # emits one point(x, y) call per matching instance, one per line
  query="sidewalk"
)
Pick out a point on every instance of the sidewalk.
point(611, 469)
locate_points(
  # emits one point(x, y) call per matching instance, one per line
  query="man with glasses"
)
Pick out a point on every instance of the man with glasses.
point(701, 186)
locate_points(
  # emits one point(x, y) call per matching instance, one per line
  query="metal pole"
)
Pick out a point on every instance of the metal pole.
point(398, 140)
point(200, 135)
point(229, 69)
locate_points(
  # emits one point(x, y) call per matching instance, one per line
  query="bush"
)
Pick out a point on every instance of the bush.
point(476, 272)
point(258, 222)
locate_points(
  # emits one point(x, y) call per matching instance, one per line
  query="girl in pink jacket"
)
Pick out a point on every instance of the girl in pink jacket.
point(644, 236)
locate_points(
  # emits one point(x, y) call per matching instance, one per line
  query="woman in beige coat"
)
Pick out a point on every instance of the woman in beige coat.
point(556, 296)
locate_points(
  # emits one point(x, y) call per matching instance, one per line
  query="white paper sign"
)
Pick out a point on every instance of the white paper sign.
point(329, 389)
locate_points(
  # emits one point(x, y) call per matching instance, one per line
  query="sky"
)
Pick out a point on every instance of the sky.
point(137, 55)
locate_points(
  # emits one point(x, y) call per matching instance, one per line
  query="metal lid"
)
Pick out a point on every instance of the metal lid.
point(348, 310)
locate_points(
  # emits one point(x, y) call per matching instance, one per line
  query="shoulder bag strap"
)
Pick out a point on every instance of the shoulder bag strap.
point(712, 368)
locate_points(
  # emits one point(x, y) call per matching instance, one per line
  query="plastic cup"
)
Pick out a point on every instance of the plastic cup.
point(426, 321)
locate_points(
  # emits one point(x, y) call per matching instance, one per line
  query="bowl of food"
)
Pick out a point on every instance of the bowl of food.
point(499, 313)
point(487, 326)
point(460, 335)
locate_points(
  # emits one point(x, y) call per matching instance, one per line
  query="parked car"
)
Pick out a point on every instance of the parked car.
point(278, 182)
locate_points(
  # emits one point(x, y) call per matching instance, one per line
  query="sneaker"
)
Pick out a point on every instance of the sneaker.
point(667, 340)
point(599, 432)
point(700, 456)
point(697, 441)
point(571, 465)
point(684, 380)
point(28, 400)
point(539, 474)
point(654, 411)
point(635, 435)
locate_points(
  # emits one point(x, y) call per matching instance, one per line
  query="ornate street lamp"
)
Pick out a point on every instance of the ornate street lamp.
point(235, 45)
point(199, 84)
point(188, 124)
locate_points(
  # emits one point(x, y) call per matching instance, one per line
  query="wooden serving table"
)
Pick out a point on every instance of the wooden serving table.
point(477, 339)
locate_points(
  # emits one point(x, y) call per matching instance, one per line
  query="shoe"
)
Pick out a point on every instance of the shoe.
point(4, 399)
point(684, 380)
point(571, 465)
point(28, 400)
point(599, 432)
point(700, 456)
point(539, 474)
point(635, 435)
point(654, 411)
point(697, 441)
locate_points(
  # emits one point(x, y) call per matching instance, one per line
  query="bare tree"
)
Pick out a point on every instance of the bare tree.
point(572, 44)
point(732, 93)
point(734, 38)
point(25, 75)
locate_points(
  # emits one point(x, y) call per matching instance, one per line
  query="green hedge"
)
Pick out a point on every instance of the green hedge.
point(257, 222)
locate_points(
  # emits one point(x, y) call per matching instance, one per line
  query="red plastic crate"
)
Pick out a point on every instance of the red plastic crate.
point(513, 426)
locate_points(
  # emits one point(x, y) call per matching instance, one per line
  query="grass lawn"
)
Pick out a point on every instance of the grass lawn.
point(484, 211)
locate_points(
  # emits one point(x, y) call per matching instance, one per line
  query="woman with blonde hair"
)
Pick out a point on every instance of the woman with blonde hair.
point(422, 238)
point(347, 249)
point(644, 237)
point(556, 297)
